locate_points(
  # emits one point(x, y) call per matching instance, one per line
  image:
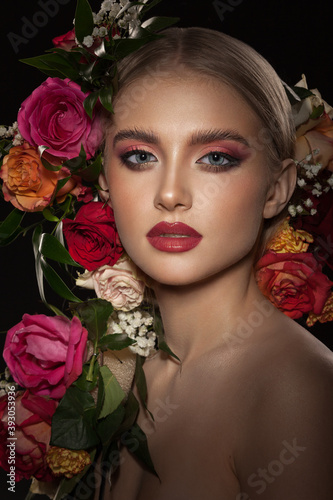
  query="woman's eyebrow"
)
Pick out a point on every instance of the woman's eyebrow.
point(136, 134)
point(207, 136)
point(198, 137)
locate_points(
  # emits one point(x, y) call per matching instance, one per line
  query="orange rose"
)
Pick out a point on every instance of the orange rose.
point(28, 185)
point(290, 240)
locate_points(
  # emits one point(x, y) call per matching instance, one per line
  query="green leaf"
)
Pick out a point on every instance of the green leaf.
point(78, 162)
point(136, 442)
point(126, 46)
point(62, 182)
point(317, 112)
point(112, 393)
point(131, 411)
point(140, 379)
point(155, 24)
point(92, 171)
point(89, 103)
point(163, 346)
point(107, 427)
point(82, 382)
point(49, 166)
point(10, 225)
point(105, 96)
point(48, 214)
point(51, 248)
point(95, 314)
point(73, 423)
point(115, 341)
point(147, 5)
point(56, 283)
point(53, 64)
point(84, 23)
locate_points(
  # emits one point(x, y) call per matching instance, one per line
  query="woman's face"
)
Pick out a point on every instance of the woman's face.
point(187, 186)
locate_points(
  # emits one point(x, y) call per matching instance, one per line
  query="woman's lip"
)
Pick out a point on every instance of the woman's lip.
point(173, 237)
point(173, 229)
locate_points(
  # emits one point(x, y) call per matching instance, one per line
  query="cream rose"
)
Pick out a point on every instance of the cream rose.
point(118, 284)
point(314, 134)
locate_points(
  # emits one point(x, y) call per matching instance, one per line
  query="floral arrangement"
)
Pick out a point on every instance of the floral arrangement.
point(292, 273)
point(66, 398)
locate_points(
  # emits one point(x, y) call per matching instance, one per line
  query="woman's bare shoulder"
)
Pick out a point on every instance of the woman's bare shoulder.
point(289, 417)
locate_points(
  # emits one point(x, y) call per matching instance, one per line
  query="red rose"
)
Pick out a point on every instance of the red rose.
point(293, 282)
point(45, 354)
point(32, 416)
point(92, 237)
point(66, 41)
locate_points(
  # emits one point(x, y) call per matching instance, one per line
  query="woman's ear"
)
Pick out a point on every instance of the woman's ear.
point(104, 191)
point(282, 189)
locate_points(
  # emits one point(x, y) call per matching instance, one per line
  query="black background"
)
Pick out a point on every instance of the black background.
point(295, 36)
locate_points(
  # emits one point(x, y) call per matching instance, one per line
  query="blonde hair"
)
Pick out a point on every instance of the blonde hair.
point(209, 53)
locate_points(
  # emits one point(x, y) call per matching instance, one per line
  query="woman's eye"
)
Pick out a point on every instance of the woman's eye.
point(216, 160)
point(137, 158)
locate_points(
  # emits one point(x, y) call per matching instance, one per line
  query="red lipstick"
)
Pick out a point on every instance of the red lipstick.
point(173, 237)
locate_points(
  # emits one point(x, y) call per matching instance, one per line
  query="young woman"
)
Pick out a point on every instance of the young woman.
point(198, 165)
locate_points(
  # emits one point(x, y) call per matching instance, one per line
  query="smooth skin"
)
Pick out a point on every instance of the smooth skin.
point(248, 413)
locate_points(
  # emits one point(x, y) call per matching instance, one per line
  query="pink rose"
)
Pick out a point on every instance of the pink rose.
point(45, 354)
point(293, 282)
point(118, 284)
point(53, 116)
point(33, 416)
point(66, 41)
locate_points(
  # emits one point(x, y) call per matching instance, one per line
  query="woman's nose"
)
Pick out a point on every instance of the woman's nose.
point(173, 190)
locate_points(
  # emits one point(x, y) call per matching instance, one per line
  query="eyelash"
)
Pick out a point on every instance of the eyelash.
point(232, 161)
point(125, 159)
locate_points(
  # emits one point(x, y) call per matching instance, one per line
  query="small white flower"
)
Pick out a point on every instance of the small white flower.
point(313, 211)
point(315, 169)
point(309, 174)
point(88, 41)
point(142, 330)
point(318, 186)
point(122, 316)
point(330, 181)
point(3, 131)
point(102, 31)
point(130, 331)
point(115, 9)
point(315, 192)
point(308, 203)
point(299, 209)
point(2, 393)
point(292, 210)
point(301, 183)
point(18, 140)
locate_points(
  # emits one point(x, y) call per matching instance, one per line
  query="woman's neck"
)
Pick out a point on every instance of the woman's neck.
point(201, 316)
